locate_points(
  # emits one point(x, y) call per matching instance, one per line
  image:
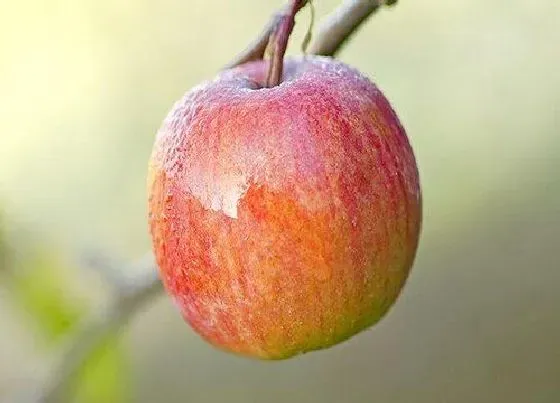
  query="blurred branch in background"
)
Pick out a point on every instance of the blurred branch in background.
point(128, 298)
point(130, 295)
point(41, 284)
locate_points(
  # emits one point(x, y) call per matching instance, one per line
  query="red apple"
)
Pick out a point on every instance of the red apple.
point(284, 219)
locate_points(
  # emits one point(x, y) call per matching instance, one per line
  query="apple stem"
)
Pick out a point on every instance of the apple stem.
point(278, 42)
point(330, 37)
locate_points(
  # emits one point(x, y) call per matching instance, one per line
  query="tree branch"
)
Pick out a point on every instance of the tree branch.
point(130, 296)
point(339, 26)
point(336, 29)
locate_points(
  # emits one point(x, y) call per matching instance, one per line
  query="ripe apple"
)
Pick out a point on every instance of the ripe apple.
point(283, 219)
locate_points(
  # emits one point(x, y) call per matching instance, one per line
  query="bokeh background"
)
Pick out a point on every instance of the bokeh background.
point(84, 86)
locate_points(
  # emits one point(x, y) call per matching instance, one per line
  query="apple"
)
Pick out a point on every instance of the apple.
point(283, 219)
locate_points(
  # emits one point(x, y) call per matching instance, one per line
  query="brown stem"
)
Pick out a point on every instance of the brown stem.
point(332, 34)
point(279, 42)
point(257, 48)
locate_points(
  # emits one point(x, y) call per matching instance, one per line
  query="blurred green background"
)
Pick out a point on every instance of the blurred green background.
point(84, 85)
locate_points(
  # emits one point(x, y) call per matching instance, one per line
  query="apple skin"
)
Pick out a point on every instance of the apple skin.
point(284, 219)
